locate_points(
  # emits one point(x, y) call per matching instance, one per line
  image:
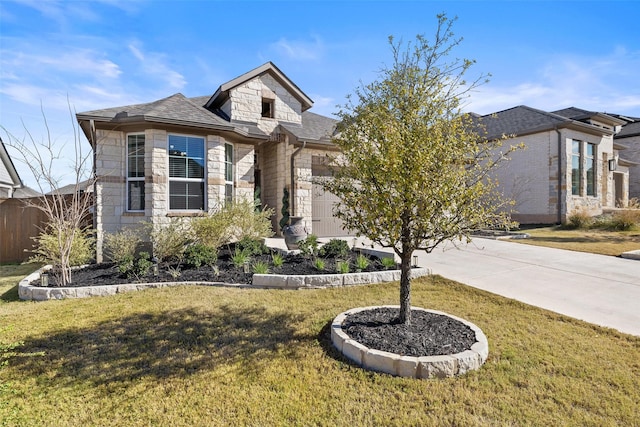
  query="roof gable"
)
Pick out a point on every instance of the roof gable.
point(222, 93)
point(8, 173)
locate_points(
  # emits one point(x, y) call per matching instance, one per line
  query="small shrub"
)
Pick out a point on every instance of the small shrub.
point(309, 246)
point(335, 248)
point(362, 262)
point(240, 258)
point(135, 268)
point(260, 267)
point(233, 222)
point(388, 263)
point(342, 267)
point(625, 220)
point(47, 247)
point(121, 247)
point(277, 259)
point(319, 264)
point(579, 219)
point(252, 246)
point(170, 240)
point(247, 221)
point(198, 255)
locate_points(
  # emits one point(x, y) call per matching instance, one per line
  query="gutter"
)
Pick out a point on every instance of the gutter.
point(293, 188)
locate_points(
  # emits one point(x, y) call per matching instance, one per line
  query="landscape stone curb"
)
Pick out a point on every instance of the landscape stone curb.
point(424, 367)
point(272, 281)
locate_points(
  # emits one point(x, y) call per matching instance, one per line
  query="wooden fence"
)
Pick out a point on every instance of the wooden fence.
point(19, 222)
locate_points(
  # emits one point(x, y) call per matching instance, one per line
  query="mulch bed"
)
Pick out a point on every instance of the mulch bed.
point(107, 273)
point(429, 334)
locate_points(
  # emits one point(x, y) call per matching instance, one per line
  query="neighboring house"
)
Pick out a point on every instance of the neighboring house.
point(9, 179)
point(11, 186)
point(628, 139)
point(180, 156)
point(570, 162)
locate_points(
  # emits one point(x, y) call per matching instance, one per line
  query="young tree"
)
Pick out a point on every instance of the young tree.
point(67, 213)
point(414, 170)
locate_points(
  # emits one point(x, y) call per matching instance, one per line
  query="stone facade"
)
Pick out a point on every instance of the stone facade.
point(267, 156)
point(530, 177)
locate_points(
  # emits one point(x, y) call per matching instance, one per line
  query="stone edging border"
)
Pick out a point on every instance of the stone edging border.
point(424, 367)
point(38, 293)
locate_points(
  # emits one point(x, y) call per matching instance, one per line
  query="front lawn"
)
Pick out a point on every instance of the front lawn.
point(196, 355)
point(594, 241)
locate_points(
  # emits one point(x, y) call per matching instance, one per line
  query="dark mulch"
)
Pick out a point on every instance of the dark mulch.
point(429, 334)
point(108, 274)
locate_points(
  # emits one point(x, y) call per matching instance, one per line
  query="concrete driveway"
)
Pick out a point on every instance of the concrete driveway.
point(599, 289)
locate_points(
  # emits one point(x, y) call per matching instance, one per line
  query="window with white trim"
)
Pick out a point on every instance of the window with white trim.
point(186, 172)
point(135, 172)
point(228, 172)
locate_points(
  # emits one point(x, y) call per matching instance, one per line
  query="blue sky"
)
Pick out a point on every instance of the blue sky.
point(544, 54)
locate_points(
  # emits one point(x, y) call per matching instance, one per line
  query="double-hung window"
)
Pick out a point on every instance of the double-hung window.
point(135, 173)
point(186, 172)
point(228, 172)
point(583, 168)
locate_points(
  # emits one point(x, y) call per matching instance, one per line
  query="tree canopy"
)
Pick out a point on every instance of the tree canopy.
point(414, 169)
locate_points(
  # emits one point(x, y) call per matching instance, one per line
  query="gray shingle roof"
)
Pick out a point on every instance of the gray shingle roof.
point(314, 127)
point(629, 130)
point(519, 120)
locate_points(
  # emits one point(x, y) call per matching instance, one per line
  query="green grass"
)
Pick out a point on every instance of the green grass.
point(10, 275)
point(196, 355)
point(583, 240)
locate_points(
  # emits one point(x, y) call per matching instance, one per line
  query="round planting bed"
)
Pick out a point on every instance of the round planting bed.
point(433, 366)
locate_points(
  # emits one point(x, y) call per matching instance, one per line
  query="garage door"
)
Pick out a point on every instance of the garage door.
point(324, 223)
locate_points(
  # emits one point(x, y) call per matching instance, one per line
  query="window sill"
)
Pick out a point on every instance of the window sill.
point(133, 213)
point(186, 214)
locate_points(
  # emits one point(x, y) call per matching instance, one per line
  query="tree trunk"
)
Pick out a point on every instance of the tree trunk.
point(405, 287)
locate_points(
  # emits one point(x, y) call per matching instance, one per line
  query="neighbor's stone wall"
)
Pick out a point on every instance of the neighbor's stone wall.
point(593, 205)
point(527, 177)
point(632, 153)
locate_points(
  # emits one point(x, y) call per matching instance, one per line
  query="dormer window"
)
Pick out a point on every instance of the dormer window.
point(268, 108)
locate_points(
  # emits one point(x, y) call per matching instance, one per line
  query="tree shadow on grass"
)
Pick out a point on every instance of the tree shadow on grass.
point(161, 346)
point(11, 295)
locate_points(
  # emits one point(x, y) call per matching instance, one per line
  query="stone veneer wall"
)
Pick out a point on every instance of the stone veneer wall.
point(632, 153)
point(531, 177)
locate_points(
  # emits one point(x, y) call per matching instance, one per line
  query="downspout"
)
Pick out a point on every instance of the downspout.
point(94, 144)
point(559, 208)
point(293, 188)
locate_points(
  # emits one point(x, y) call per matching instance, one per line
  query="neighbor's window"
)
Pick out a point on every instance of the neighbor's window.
point(186, 172)
point(135, 172)
point(590, 167)
point(268, 108)
point(576, 170)
point(228, 172)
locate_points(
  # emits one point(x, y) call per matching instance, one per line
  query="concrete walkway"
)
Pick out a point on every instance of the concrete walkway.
point(599, 289)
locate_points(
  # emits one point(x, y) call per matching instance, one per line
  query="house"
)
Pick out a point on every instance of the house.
point(9, 179)
point(11, 185)
point(178, 156)
point(628, 139)
point(570, 162)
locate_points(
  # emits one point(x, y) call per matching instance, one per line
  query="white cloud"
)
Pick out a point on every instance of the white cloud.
point(607, 83)
point(299, 50)
point(154, 64)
